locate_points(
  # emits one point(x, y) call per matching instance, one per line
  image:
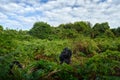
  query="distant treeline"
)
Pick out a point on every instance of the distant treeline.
point(43, 30)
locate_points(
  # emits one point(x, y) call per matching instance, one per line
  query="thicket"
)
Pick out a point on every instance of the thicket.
point(96, 52)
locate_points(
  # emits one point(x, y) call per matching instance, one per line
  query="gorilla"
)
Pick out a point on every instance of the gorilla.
point(12, 65)
point(65, 56)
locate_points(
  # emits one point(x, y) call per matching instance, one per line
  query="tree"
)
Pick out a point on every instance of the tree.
point(81, 26)
point(109, 33)
point(67, 31)
point(41, 30)
point(99, 29)
point(116, 31)
point(1, 28)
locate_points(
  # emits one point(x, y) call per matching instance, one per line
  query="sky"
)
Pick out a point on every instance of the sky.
point(22, 14)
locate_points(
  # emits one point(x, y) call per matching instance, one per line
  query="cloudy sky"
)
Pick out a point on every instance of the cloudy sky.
point(22, 14)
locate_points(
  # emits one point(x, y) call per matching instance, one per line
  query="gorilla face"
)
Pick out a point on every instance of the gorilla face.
point(65, 56)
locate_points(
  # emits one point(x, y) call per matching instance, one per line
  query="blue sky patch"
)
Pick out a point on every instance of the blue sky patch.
point(43, 1)
point(101, 1)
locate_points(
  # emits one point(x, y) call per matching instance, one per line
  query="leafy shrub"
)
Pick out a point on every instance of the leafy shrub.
point(41, 68)
point(107, 44)
point(86, 46)
point(65, 73)
point(104, 64)
point(7, 44)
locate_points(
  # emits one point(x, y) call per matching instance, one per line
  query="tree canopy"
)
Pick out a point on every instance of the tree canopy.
point(41, 30)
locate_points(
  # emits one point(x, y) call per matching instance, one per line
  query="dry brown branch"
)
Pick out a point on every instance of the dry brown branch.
point(51, 73)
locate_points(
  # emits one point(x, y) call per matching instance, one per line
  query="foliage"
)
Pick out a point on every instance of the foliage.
point(109, 33)
point(94, 58)
point(66, 72)
point(66, 26)
point(104, 64)
point(1, 28)
point(41, 30)
point(99, 29)
point(107, 44)
point(40, 69)
point(7, 44)
point(81, 26)
point(116, 31)
point(85, 46)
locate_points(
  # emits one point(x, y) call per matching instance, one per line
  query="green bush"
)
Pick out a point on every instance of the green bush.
point(7, 43)
point(107, 44)
point(65, 73)
point(41, 68)
point(104, 64)
point(86, 46)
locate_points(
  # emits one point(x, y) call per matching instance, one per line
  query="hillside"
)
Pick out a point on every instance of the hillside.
point(95, 52)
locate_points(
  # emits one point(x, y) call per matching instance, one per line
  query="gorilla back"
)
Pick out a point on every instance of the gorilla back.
point(65, 56)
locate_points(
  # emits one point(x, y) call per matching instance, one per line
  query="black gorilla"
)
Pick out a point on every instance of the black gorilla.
point(65, 56)
point(14, 63)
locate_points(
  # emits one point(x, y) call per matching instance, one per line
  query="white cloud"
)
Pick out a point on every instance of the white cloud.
point(2, 16)
point(23, 14)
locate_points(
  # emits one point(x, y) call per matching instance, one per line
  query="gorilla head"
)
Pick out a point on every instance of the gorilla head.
point(65, 56)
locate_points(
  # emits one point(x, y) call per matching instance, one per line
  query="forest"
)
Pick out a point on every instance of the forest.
point(34, 54)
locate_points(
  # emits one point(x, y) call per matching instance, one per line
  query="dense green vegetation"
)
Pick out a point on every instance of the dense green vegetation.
point(96, 52)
